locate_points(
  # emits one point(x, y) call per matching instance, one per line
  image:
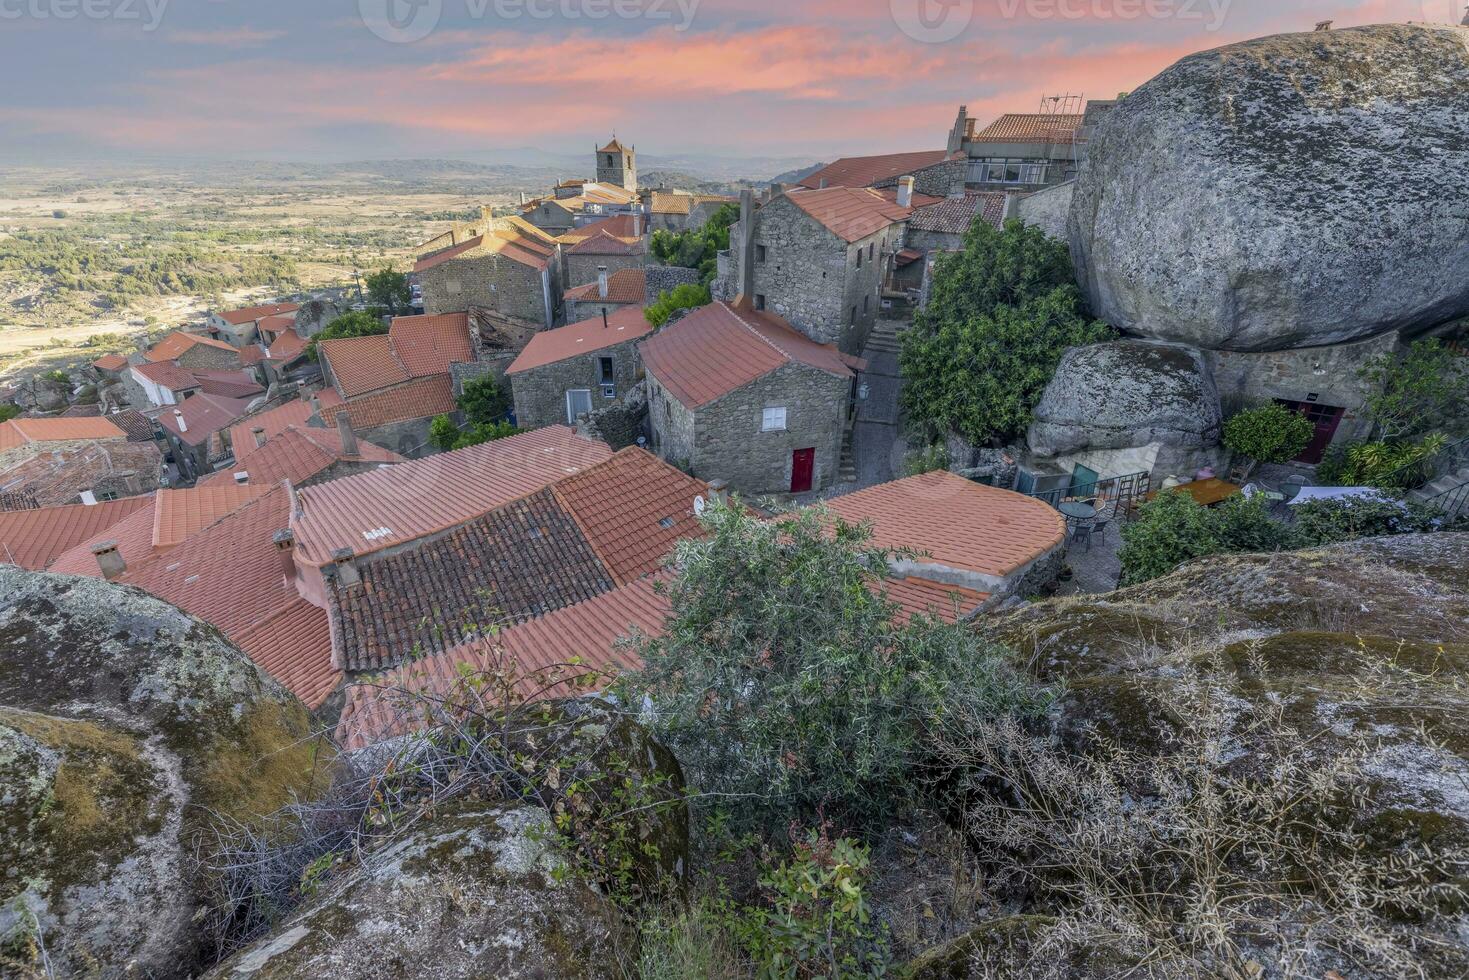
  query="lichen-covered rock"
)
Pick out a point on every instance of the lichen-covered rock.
point(314, 315)
point(1289, 191)
point(124, 724)
point(478, 892)
point(1127, 394)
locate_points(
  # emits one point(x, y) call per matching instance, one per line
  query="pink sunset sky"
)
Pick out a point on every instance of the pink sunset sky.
point(297, 79)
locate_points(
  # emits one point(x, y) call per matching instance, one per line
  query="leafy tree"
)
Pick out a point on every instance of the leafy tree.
point(1000, 315)
point(8, 411)
point(358, 323)
point(1415, 391)
point(697, 248)
point(388, 288)
point(1268, 434)
point(669, 302)
point(784, 682)
point(445, 435)
point(1173, 528)
point(485, 399)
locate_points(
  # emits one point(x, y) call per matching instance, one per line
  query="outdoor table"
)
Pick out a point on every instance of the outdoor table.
point(1076, 510)
point(1206, 492)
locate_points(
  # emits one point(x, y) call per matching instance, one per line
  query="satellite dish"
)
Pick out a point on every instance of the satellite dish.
point(699, 506)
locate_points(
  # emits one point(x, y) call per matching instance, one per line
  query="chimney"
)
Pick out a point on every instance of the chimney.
point(285, 551)
point(242, 477)
point(1012, 206)
point(348, 437)
point(315, 405)
point(602, 281)
point(259, 434)
point(637, 224)
point(905, 192)
point(604, 318)
point(719, 490)
point(179, 418)
point(109, 559)
point(346, 566)
point(747, 245)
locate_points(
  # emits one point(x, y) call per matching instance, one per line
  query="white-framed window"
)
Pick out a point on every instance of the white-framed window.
point(773, 420)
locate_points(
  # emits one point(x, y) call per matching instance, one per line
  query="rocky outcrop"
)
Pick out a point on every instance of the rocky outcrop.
point(314, 315)
point(1290, 191)
point(125, 725)
point(479, 892)
point(1127, 394)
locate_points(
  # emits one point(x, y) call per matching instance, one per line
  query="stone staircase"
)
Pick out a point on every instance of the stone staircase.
point(1440, 493)
point(847, 469)
point(883, 339)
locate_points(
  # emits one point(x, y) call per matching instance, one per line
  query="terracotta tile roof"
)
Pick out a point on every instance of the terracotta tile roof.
point(1030, 127)
point(604, 244)
point(287, 347)
point(22, 431)
point(519, 241)
point(595, 192)
point(586, 633)
point(959, 523)
point(663, 202)
point(717, 349)
point(362, 364)
point(248, 314)
point(294, 646)
point(444, 255)
point(633, 509)
point(179, 514)
point(613, 147)
point(584, 336)
point(230, 384)
point(277, 324)
point(420, 398)
point(619, 225)
point(415, 499)
point(33, 539)
point(429, 344)
point(133, 534)
point(954, 215)
point(139, 427)
point(203, 416)
point(252, 354)
point(850, 213)
point(168, 374)
point(526, 558)
point(929, 598)
point(110, 362)
point(176, 343)
point(623, 286)
point(866, 171)
point(24, 499)
point(274, 421)
point(297, 454)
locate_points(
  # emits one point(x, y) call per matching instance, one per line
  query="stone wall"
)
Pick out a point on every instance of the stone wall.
point(582, 268)
point(621, 424)
point(408, 438)
point(812, 277)
point(729, 444)
point(1047, 209)
point(586, 309)
point(494, 282)
point(666, 278)
point(540, 393)
point(939, 180)
point(1328, 373)
point(672, 425)
point(205, 357)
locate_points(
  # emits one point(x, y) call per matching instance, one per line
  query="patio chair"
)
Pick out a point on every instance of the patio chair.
point(1082, 534)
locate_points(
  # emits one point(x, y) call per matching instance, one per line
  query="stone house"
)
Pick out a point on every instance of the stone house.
point(591, 201)
point(819, 259)
point(739, 395)
point(1026, 151)
point(583, 367)
point(607, 293)
point(941, 227)
point(195, 352)
point(935, 173)
point(197, 431)
point(161, 383)
point(242, 326)
point(676, 211)
point(55, 461)
point(511, 268)
point(587, 257)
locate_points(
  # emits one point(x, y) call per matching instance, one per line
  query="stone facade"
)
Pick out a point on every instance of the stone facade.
point(826, 287)
point(408, 438)
point(618, 165)
point(55, 473)
point(662, 279)
point(540, 392)
point(497, 283)
point(578, 310)
point(621, 424)
point(207, 357)
point(723, 439)
point(581, 267)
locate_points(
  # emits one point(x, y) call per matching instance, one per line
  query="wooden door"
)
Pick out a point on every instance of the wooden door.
point(1325, 418)
point(803, 468)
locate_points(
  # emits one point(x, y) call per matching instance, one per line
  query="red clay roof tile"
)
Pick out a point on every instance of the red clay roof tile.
point(549, 346)
point(623, 286)
point(249, 314)
point(850, 213)
point(33, 539)
point(429, 344)
point(363, 364)
point(867, 171)
point(176, 343)
point(420, 398)
point(1031, 127)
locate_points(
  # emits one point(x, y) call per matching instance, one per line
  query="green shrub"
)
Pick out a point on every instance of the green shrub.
point(443, 434)
point(926, 460)
point(484, 399)
point(1268, 434)
point(1320, 522)
point(358, 323)
point(8, 411)
point(1173, 528)
point(1415, 391)
point(685, 297)
point(783, 682)
point(1385, 465)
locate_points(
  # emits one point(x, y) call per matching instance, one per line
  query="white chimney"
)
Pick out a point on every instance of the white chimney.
point(259, 434)
point(602, 281)
point(242, 477)
point(905, 192)
point(345, 433)
point(637, 224)
point(179, 418)
point(109, 559)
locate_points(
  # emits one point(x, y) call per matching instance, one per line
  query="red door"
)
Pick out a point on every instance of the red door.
point(1326, 418)
point(803, 467)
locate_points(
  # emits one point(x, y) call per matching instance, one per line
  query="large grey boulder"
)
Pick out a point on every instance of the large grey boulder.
point(1127, 394)
point(1290, 191)
point(314, 315)
point(478, 892)
point(125, 724)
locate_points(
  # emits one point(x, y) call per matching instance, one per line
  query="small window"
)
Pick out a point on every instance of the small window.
point(852, 317)
point(759, 301)
point(760, 254)
point(866, 304)
point(859, 258)
point(871, 251)
point(773, 420)
point(605, 366)
point(106, 495)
